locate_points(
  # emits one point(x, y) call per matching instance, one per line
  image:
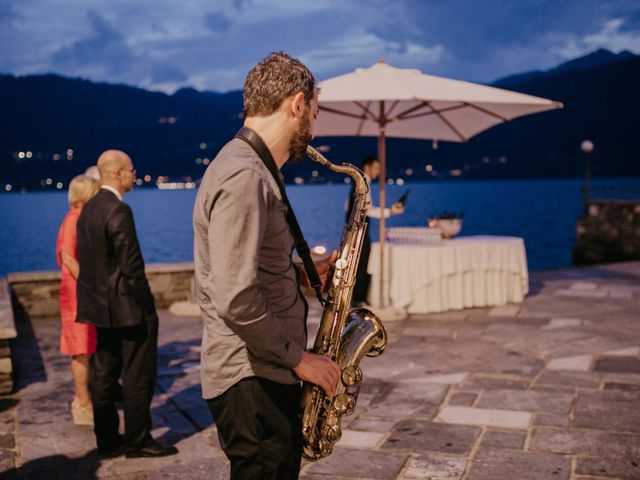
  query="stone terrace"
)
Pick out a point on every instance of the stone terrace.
point(549, 389)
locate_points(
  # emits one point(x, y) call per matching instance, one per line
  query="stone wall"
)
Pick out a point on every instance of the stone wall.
point(7, 332)
point(36, 293)
point(609, 233)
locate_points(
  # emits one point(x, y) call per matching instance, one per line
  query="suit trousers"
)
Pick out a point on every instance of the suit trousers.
point(363, 279)
point(259, 429)
point(132, 352)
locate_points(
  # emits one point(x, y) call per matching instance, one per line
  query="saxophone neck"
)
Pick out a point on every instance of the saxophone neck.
point(354, 172)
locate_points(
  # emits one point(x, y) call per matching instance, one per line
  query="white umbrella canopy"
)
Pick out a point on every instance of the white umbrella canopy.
point(410, 104)
point(384, 101)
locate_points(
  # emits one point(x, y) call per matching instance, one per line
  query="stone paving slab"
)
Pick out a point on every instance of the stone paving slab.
point(547, 390)
point(416, 435)
point(562, 323)
point(360, 464)
point(361, 439)
point(624, 352)
point(480, 382)
point(574, 379)
point(526, 401)
point(551, 420)
point(608, 410)
point(463, 399)
point(484, 416)
point(434, 466)
point(503, 439)
point(623, 469)
point(580, 363)
point(492, 464)
point(618, 364)
point(573, 441)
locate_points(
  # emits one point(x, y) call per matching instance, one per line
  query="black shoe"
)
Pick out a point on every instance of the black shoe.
point(152, 450)
point(114, 450)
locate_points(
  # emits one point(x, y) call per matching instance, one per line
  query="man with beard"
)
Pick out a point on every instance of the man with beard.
point(253, 348)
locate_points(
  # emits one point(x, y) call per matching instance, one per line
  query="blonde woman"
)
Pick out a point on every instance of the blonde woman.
point(77, 340)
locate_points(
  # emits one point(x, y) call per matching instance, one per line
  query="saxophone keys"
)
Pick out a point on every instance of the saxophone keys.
point(344, 403)
point(333, 434)
point(352, 375)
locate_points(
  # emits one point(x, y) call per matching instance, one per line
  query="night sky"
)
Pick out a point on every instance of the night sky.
point(211, 45)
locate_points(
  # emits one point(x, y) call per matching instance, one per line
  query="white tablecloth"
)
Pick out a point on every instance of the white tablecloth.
point(465, 272)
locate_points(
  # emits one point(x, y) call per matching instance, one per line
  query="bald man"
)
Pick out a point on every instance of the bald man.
point(114, 295)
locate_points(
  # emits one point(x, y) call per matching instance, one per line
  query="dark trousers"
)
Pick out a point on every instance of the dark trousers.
point(132, 352)
point(259, 429)
point(363, 279)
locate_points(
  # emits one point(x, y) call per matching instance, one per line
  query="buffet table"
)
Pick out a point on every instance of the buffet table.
point(465, 272)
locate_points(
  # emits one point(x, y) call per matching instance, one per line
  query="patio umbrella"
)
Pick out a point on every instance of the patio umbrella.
point(384, 101)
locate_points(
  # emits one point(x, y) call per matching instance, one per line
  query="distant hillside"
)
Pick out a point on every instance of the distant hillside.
point(176, 135)
point(48, 115)
point(594, 59)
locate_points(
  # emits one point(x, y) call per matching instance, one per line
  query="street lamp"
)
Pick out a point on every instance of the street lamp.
point(587, 147)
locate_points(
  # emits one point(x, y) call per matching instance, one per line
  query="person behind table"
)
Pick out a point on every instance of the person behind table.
point(76, 339)
point(371, 168)
point(114, 295)
point(253, 349)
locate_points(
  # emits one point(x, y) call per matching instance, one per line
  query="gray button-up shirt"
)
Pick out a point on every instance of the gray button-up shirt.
point(252, 308)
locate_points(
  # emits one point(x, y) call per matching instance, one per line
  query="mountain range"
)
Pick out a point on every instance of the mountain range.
point(53, 127)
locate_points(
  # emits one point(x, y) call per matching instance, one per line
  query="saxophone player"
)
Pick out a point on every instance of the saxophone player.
point(254, 315)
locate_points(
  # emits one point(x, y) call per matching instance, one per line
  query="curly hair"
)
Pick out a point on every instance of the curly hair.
point(272, 80)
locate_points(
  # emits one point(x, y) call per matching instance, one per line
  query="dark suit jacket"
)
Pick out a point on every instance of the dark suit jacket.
point(112, 287)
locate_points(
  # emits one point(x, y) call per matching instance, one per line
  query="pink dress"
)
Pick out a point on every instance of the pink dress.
point(75, 338)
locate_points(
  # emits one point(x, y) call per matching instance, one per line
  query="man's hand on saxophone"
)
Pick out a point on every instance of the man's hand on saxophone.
point(319, 370)
point(322, 266)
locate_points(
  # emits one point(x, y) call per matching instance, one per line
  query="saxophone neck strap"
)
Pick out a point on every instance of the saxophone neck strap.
point(258, 145)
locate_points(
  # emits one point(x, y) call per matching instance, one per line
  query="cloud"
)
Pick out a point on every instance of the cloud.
point(171, 44)
point(166, 72)
point(104, 50)
point(8, 12)
point(217, 22)
point(361, 49)
point(612, 36)
point(219, 79)
point(239, 4)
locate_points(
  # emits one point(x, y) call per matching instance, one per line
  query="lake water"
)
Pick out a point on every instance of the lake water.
point(543, 212)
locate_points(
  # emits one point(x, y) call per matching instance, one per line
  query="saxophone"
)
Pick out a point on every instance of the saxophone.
point(345, 335)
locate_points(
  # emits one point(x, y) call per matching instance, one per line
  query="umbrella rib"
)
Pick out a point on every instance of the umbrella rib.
point(489, 112)
point(340, 112)
point(404, 115)
point(365, 109)
point(393, 105)
point(440, 116)
point(363, 118)
point(450, 125)
point(431, 112)
point(422, 104)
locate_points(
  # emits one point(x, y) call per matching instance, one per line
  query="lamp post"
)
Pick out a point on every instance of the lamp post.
point(587, 147)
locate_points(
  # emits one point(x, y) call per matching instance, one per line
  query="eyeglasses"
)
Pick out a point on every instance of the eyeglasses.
point(130, 170)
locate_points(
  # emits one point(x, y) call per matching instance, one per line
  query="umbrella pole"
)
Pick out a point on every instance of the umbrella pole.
point(383, 197)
